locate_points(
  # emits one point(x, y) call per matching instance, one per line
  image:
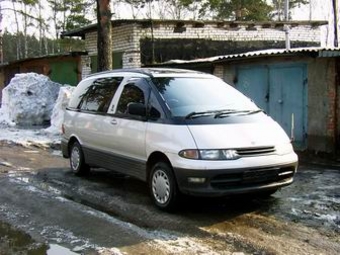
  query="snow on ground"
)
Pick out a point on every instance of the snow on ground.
point(29, 102)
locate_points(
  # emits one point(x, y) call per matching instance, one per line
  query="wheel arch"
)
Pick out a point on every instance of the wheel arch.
point(71, 141)
point(155, 157)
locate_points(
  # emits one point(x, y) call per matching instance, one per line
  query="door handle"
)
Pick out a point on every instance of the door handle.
point(113, 122)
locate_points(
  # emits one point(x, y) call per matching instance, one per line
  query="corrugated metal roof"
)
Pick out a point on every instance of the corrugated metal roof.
point(70, 54)
point(313, 51)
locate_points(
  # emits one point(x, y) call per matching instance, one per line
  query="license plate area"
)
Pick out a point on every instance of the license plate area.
point(263, 175)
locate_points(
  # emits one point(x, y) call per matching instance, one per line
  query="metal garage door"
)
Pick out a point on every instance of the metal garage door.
point(281, 91)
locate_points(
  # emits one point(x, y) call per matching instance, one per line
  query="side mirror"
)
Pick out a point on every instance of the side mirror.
point(136, 109)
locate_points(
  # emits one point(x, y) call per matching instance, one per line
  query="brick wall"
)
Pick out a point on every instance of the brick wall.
point(321, 104)
point(219, 71)
point(126, 37)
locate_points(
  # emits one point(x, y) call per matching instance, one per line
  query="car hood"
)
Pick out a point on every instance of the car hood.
point(240, 135)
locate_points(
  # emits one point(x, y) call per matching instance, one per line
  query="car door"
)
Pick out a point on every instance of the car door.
point(126, 139)
point(92, 113)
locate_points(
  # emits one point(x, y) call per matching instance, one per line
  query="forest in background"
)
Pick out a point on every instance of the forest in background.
point(38, 24)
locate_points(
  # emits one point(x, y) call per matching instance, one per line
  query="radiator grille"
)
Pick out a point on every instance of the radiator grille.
point(257, 151)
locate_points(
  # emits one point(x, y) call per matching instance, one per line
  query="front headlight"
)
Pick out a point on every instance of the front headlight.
point(283, 149)
point(210, 154)
point(227, 154)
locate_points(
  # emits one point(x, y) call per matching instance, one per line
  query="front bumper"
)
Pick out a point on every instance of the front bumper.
point(222, 182)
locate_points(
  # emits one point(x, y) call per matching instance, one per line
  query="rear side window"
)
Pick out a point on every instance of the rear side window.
point(98, 96)
point(130, 94)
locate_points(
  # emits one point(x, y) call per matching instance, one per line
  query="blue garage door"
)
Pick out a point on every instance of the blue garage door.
point(281, 91)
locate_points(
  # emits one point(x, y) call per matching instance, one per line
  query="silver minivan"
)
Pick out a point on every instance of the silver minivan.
point(180, 131)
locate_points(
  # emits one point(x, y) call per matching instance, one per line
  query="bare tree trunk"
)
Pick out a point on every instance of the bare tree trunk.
point(40, 31)
point(56, 28)
point(18, 36)
point(25, 32)
point(104, 42)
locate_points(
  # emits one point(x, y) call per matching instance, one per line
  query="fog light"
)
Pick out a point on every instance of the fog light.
point(196, 180)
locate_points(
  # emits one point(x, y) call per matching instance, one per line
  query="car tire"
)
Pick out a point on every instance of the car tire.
point(77, 160)
point(163, 187)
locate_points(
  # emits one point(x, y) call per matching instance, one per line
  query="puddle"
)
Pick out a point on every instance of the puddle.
point(57, 250)
point(15, 242)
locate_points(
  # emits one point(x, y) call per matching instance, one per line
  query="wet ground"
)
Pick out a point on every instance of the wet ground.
point(45, 209)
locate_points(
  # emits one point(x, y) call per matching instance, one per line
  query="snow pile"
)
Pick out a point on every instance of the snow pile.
point(28, 100)
point(57, 117)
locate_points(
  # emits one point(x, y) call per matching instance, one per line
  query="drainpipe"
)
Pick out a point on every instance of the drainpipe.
point(335, 16)
point(152, 36)
point(336, 107)
point(286, 26)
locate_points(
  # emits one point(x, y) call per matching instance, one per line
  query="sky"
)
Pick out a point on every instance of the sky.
point(319, 10)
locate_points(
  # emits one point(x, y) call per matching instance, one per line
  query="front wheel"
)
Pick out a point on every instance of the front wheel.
point(163, 186)
point(77, 161)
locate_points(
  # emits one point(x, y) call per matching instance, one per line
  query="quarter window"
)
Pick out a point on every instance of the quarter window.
point(98, 96)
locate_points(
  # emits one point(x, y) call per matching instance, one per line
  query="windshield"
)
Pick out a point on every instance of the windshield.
point(201, 96)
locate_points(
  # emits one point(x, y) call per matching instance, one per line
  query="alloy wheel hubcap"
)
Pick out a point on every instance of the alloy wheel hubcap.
point(75, 158)
point(161, 186)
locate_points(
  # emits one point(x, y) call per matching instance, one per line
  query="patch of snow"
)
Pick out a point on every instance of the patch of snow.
point(4, 163)
point(28, 137)
point(57, 153)
point(172, 243)
point(109, 251)
point(57, 117)
point(28, 102)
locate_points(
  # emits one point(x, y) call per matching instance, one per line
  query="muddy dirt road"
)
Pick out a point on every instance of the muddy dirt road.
point(45, 209)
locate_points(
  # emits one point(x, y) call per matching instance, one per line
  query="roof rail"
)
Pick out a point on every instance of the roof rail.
point(145, 71)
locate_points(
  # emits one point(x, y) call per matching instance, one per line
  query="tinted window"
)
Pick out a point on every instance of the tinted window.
point(98, 96)
point(186, 95)
point(78, 93)
point(131, 94)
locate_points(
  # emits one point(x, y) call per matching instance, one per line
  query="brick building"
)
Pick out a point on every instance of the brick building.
point(142, 42)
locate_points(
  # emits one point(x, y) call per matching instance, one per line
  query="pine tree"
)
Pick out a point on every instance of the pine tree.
point(104, 35)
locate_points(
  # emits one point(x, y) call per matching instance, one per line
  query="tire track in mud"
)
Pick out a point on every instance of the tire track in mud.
point(200, 226)
point(136, 240)
point(249, 232)
point(277, 237)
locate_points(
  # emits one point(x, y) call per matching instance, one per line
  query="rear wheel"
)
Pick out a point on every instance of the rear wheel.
point(163, 187)
point(77, 161)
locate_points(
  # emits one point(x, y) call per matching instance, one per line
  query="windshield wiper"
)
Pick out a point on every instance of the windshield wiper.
point(220, 113)
point(227, 113)
point(193, 115)
point(208, 113)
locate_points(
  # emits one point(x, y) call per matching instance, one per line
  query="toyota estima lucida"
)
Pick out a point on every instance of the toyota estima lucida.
point(180, 131)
